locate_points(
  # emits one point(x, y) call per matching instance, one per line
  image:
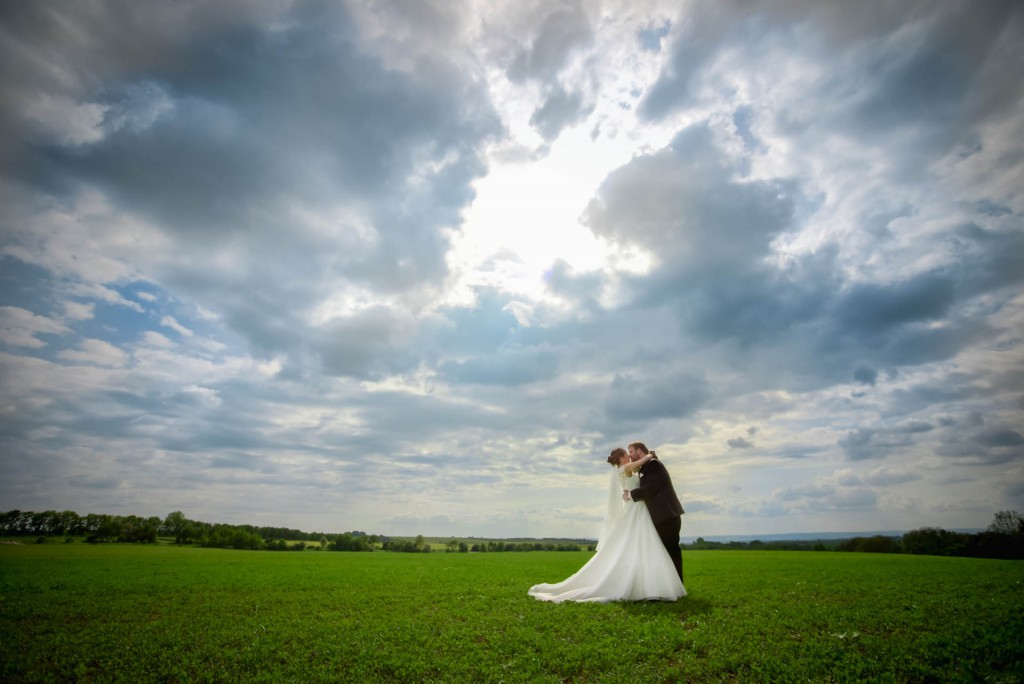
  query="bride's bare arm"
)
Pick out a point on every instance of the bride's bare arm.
point(636, 465)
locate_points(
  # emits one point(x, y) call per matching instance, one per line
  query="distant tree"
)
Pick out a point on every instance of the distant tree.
point(935, 541)
point(44, 523)
point(419, 543)
point(463, 547)
point(1007, 522)
point(878, 544)
point(452, 545)
point(348, 542)
point(68, 523)
point(183, 530)
point(232, 536)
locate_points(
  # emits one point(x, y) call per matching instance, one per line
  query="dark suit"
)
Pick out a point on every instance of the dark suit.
point(657, 492)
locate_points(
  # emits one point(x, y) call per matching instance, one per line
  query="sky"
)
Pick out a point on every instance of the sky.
point(417, 267)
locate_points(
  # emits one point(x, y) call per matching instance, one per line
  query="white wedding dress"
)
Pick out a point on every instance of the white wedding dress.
point(631, 564)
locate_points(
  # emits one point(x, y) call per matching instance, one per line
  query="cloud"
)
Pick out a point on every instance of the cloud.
point(865, 376)
point(341, 133)
point(563, 28)
point(980, 441)
point(247, 257)
point(651, 38)
point(671, 396)
point(883, 476)
point(95, 352)
point(836, 493)
point(875, 308)
point(710, 235)
point(365, 344)
point(20, 328)
point(170, 322)
point(507, 367)
point(560, 109)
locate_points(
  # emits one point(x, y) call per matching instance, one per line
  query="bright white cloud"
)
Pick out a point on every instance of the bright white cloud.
point(95, 352)
point(170, 322)
point(21, 328)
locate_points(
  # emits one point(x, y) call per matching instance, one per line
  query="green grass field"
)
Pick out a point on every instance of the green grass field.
point(75, 612)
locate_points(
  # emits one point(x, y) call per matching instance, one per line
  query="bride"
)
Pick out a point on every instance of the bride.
point(631, 563)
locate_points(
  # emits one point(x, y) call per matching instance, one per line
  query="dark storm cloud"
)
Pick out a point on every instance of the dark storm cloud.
point(559, 110)
point(887, 478)
point(990, 258)
point(999, 436)
point(564, 28)
point(509, 367)
point(584, 289)
point(258, 116)
point(921, 75)
point(484, 327)
point(680, 198)
point(971, 439)
point(228, 137)
point(824, 496)
point(875, 308)
point(371, 343)
point(865, 376)
point(711, 235)
point(668, 396)
point(983, 444)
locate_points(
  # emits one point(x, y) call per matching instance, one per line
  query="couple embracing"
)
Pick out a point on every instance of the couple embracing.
point(638, 556)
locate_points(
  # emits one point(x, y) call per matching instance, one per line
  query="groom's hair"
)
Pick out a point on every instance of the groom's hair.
point(617, 453)
point(639, 446)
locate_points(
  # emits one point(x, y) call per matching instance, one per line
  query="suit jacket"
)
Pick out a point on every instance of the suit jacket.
point(657, 492)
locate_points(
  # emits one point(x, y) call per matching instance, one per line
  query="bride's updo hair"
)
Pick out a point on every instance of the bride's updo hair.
point(616, 456)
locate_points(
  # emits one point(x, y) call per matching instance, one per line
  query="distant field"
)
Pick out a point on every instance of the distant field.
point(77, 612)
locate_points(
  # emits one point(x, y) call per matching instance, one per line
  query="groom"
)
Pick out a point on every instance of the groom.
point(657, 492)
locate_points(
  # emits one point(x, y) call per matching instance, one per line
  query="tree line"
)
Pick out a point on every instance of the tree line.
point(1004, 538)
point(100, 528)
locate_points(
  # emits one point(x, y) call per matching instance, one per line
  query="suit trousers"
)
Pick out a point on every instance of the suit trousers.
point(668, 532)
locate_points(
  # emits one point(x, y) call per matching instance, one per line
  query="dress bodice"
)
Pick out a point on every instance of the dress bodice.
point(628, 481)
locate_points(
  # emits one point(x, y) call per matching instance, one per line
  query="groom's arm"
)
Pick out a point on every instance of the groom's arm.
point(654, 480)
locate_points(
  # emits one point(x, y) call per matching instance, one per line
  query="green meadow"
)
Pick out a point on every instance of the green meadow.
point(160, 613)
